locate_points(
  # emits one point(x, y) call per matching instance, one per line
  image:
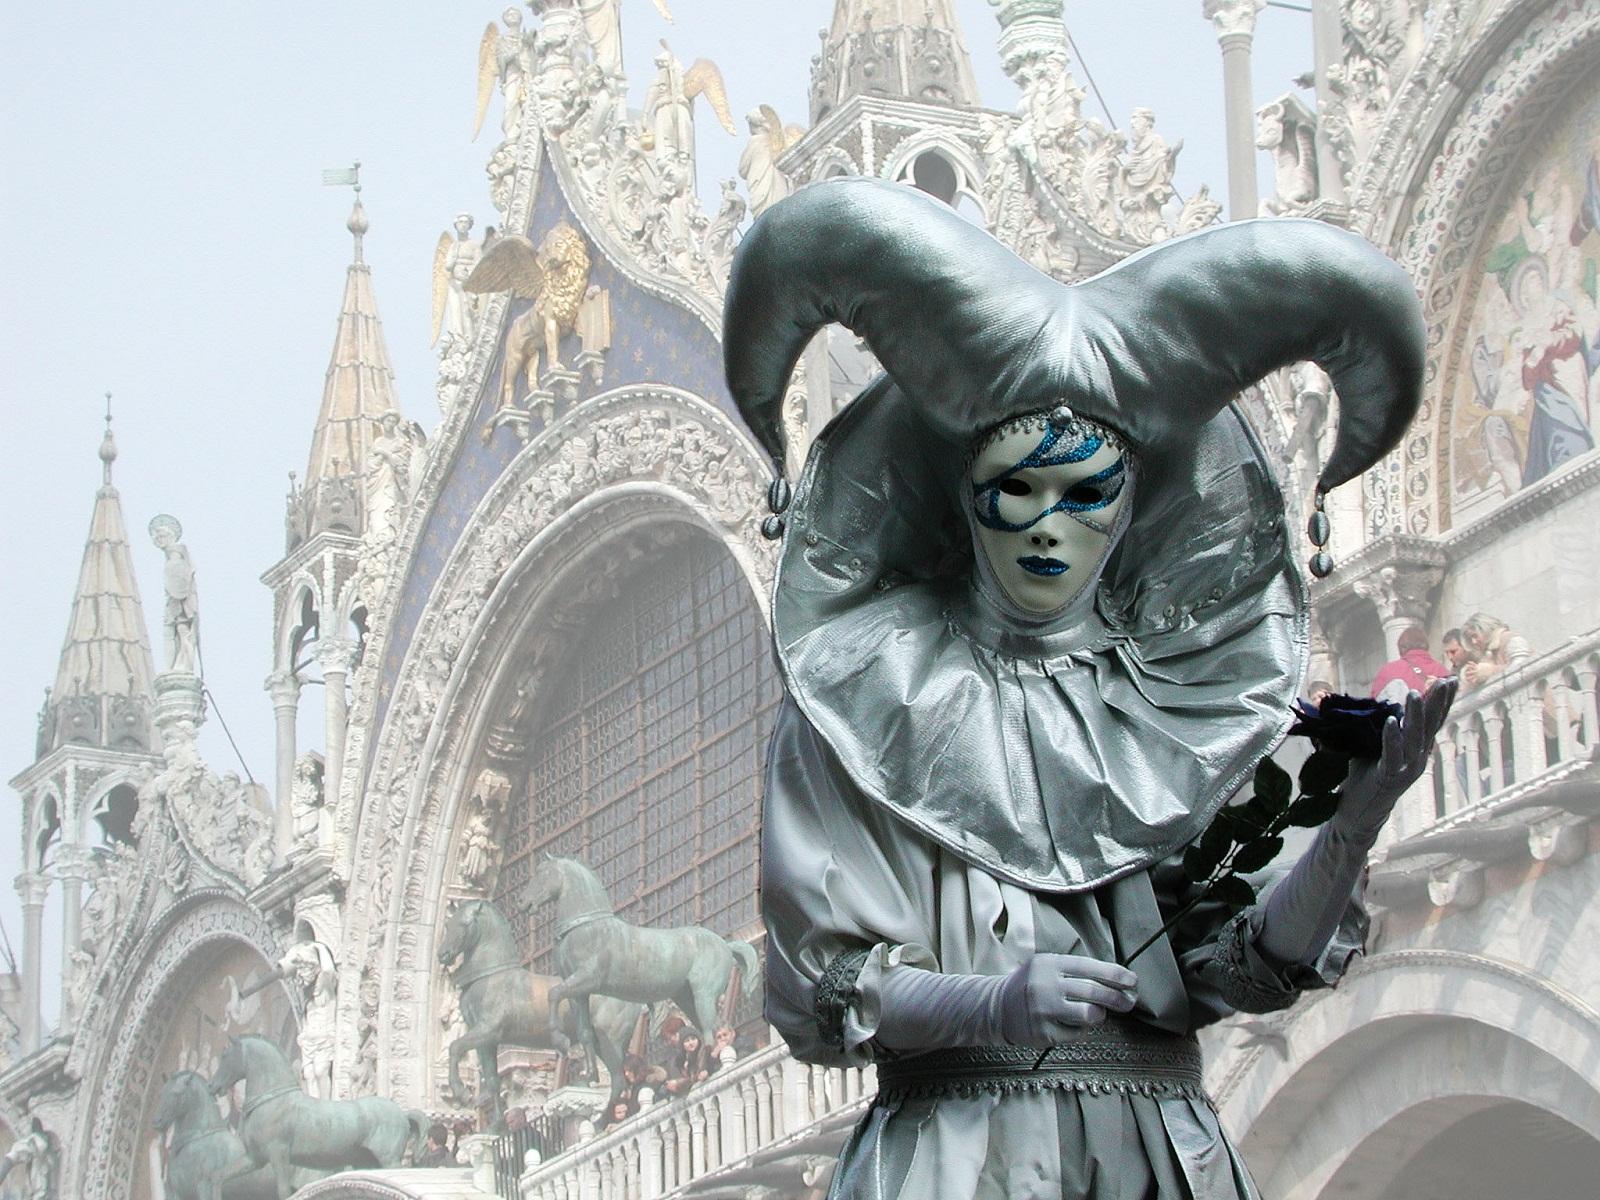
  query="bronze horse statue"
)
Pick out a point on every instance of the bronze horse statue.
point(284, 1128)
point(600, 954)
point(205, 1159)
point(505, 1004)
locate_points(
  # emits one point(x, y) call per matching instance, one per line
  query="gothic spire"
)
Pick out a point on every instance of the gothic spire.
point(104, 694)
point(357, 391)
point(897, 49)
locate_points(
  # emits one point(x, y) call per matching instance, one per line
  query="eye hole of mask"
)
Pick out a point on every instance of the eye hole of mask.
point(1014, 487)
point(1085, 493)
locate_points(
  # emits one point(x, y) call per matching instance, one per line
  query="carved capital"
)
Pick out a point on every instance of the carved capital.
point(284, 687)
point(33, 887)
point(1401, 592)
point(1233, 18)
point(336, 655)
point(72, 863)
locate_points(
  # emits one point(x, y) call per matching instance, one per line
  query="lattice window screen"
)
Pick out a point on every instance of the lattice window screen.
point(649, 765)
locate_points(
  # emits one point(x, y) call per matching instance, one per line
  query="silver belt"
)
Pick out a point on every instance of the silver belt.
point(1119, 1056)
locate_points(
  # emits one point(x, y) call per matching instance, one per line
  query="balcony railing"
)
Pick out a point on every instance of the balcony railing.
point(1533, 719)
point(751, 1109)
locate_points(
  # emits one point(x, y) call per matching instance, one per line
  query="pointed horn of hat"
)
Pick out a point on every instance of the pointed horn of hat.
point(945, 308)
point(1182, 327)
point(1152, 347)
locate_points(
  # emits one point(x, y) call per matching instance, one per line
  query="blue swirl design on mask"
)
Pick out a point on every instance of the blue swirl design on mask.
point(986, 495)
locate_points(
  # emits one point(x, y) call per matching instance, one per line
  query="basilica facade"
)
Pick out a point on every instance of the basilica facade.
point(534, 642)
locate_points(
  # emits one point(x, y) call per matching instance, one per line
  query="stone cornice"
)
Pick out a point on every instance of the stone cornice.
point(82, 756)
point(1401, 552)
point(309, 552)
point(1530, 503)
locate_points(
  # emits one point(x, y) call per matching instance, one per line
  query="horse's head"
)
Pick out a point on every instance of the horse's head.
point(230, 1067)
point(461, 932)
point(548, 881)
point(181, 1093)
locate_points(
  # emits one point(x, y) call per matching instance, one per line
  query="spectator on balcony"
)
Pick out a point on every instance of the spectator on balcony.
point(638, 1077)
point(1414, 671)
point(1456, 653)
point(621, 1109)
point(723, 1051)
point(436, 1151)
point(691, 1065)
point(1493, 648)
point(1319, 690)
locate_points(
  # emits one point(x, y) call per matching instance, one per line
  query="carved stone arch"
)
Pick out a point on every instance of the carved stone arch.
point(132, 1025)
point(103, 787)
point(615, 459)
point(1523, 70)
point(1405, 1029)
point(835, 160)
point(302, 586)
point(946, 143)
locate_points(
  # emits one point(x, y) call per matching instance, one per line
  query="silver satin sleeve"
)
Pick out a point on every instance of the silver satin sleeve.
point(841, 903)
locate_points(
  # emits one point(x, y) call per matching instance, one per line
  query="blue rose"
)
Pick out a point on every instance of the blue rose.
point(1345, 724)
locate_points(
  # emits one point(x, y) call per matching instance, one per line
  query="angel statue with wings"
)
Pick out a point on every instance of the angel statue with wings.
point(502, 58)
point(758, 165)
point(669, 104)
point(555, 276)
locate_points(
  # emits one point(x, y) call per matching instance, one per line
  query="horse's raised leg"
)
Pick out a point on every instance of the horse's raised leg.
point(468, 1042)
point(489, 1081)
point(705, 992)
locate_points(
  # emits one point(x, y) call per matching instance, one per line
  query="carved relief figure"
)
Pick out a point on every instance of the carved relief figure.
point(312, 821)
point(39, 1160)
point(602, 22)
point(722, 233)
point(181, 614)
point(555, 276)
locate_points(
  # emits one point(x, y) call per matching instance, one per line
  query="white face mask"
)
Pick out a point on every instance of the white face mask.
point(1045, 508)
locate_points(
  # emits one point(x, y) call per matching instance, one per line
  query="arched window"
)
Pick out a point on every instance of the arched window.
point(115, 813)
point(647, 764)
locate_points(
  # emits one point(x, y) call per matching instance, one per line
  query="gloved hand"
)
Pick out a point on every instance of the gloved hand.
point(1039, 1003)
point(1303, 911)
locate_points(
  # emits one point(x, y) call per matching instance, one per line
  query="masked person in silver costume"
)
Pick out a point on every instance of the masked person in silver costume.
point(1037, 618)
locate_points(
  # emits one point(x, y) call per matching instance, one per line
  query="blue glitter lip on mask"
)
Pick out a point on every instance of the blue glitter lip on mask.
point(1042, 566)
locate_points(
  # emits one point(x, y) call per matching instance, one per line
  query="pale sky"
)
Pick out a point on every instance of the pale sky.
point(171, 243)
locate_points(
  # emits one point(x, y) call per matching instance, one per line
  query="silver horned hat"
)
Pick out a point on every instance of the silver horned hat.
point(1064, 759)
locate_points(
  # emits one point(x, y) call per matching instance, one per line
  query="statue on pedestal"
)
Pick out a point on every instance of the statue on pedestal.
point(181, 615)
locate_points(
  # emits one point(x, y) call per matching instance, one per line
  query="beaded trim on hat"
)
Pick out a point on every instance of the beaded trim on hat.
point(1060, 418)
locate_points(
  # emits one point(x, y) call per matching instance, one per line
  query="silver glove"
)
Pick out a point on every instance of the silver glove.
point(1037, 1004)
point(1303, 911)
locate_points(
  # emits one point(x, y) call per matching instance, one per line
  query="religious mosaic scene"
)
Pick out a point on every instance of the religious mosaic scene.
point(487, 920)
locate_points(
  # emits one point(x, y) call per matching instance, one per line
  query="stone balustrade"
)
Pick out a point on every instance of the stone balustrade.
point(754, 1107)
point(1536, 717)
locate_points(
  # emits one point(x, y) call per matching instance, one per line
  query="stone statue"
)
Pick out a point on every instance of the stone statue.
point(593, 322)
point(602, 21)
point(1199, 210)
point(181, 616)
point(1040, 244)
point(555, 276)
point(758, 164)
point(311, 967)
point(1051, 106)
point(455, 313)
point(40, 1159)
point(389, 481)
point(555, 79)
point(307, 803)
point(503, 59)
point(1287, 129)
point(1102, 177)
point(1147, 179)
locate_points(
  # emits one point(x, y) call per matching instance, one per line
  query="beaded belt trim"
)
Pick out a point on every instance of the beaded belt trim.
point(1118, 1056)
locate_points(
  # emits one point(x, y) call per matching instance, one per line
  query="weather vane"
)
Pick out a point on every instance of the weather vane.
point(343, 176)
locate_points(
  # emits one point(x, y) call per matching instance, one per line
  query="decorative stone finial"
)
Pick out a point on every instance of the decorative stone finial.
point(108, 445)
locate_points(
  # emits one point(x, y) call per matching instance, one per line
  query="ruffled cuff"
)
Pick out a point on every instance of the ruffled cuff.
point(849, 994)
point(1249, 982)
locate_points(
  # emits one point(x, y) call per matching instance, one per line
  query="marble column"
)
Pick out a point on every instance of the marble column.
point(285, 691)
point(336, 655)
point(72, 868)
point(1235, 23)
point(1327, 40)
point(32, 888)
